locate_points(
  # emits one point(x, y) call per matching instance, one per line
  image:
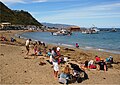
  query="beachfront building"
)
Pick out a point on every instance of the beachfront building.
point(74, 28)
point(32, 27)
point(4, 24)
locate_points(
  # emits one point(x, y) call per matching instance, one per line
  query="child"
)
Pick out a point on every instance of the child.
point(77, 46)
point(39, 51)
point(35, 50)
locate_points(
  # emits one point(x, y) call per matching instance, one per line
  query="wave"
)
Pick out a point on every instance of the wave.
point(110, 51)
point(68, 45)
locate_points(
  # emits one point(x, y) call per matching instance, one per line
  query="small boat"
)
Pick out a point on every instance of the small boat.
point(61, 33)
point(92, 30)
point(113, 30)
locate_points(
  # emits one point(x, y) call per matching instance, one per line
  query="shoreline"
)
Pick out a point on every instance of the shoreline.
point(12, 33)
point(85, 52)
point(82, 48)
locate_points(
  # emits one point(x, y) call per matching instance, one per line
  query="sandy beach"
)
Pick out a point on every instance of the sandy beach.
point(15, 69)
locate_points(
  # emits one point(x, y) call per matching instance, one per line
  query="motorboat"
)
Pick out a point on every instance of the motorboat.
point(92, 30)
point(61, 33)
point(113, 30)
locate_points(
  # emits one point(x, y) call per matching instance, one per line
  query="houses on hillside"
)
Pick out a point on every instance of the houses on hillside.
point(9, 26)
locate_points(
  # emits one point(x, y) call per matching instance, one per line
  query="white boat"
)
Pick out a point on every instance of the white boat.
point(92, 30)
point(61, 32)
point(113, 30)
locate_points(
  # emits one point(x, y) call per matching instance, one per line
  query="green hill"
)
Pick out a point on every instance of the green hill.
point(16, 17)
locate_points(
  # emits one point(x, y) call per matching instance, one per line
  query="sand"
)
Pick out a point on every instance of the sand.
point(15, 69)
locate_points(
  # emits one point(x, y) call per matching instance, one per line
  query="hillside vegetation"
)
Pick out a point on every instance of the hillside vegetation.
point(16, 17)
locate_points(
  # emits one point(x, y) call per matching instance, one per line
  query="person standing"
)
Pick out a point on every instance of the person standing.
point(27, 43)
point(55, 58)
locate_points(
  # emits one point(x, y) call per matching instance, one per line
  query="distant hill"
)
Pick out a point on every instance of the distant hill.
point(59, 26)
point(16, 17)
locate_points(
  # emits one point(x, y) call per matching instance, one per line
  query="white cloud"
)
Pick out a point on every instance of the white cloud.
point(90, 12)
point(51, 0)
point(39, 0)
point(105, 7)
point(32, 1)
point(13, 1)
point(22, 1)
point(89, 9)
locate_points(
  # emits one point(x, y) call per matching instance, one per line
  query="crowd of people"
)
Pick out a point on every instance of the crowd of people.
point(68, 73)
point(3, 38)
point(36, 47)
point(98, 63)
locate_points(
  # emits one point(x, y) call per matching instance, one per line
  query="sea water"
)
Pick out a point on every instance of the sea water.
point(103, 41)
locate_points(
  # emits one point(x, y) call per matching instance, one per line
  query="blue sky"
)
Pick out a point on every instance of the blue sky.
point(83, 13)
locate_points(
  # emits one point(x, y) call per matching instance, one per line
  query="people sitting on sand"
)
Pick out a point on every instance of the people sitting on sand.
point(3, 38)
point(45, 50)
point(35, 49)
point(78, 74)
point(13, 40)
point(39, 51)
point(84, 66)
point(65, 75)
point(49, 53)
point(91, 64)
point(102, 65)
point(27, 43)
point(77, 45)
point(109, 60)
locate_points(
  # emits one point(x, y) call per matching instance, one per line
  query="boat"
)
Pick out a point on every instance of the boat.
point(61, 33)
point(92, 30)
point(113, 30)
point(86, 31)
